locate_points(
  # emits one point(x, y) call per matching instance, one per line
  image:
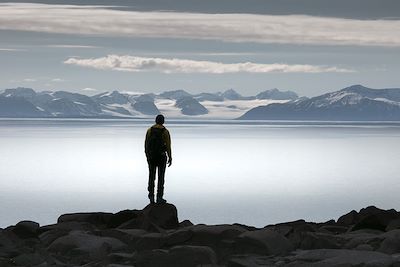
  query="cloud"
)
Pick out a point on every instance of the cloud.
point(174, 65)
point(71, 46)
point(289, 29)
point(29, 80)
point(88, 89)
point(12, 49)
point(57, 80)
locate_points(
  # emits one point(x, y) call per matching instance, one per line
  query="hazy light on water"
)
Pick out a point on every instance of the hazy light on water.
point(253, 174)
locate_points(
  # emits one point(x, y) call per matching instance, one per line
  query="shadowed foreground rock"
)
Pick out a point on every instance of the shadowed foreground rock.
point(154, 237)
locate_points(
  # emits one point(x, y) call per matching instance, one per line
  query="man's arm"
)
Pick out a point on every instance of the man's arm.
point(146, 141)
point(167, 140)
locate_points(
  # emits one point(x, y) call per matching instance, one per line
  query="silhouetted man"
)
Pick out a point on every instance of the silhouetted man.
point(157, 147)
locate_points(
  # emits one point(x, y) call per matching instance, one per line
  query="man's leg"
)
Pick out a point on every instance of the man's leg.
point(152, 177)
point(161, 175)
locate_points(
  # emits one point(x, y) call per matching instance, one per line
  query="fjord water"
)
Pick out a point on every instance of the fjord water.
point(254, 173)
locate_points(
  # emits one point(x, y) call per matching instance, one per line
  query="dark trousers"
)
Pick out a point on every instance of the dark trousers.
point(159, 164)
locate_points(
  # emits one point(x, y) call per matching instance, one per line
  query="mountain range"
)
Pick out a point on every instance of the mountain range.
point(27, 103)
point(354, 103)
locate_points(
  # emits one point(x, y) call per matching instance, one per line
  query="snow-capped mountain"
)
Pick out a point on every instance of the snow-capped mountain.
point(25, 102)
point(351, 103)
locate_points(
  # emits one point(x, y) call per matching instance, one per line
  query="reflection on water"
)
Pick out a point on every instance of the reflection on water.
point(223, 172)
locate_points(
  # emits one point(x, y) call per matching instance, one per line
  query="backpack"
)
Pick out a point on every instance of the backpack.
point(156, 146)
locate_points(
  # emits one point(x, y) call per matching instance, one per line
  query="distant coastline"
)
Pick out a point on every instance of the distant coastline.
point(354, 103)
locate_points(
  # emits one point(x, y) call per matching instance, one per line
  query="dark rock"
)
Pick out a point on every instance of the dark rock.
point(188, 256)
point(264, 242)
point(362, 237)
point(99, 219)
point(219, 237)
point(8, 247)
point(341, 257)
point(162, 215)
point(309, 240)
point(48, 237)
point(185, 223)
point(178, 237)
point(120, 257)
point(246, 227)
point(393, 224)
point(391, 243)
point(370, 222)
point(30, 259)
point(67, 226)
point(212, 235)
point(288, 228)
point(150, 241)
point(154, 218)
point(253, 261)
point(192, 256)
point(365, 247)
point(334, 229)
point(349, 218)
point(127, 236)
point(26, 229)
point(121, 217)
point(83, 247)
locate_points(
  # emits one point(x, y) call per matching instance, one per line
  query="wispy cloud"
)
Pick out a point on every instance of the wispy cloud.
point(57, 80)
point(11, 49)
point(292, 29)
point(29, 80)
point(89, 89)
point(174, 65)
point(71, 46)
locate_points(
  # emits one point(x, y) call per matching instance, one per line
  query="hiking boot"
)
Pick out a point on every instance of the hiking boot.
point(161, 201)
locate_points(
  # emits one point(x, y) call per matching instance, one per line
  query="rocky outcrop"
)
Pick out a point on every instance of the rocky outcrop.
point(154, 237)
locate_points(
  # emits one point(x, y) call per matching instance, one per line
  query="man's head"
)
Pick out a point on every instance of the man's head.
point(160, 119)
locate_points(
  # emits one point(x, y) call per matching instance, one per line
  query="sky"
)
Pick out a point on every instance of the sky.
point(307, 46)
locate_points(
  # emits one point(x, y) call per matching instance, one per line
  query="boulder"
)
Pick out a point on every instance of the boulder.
point(122, 217)
point(310, 240)
point(8, 247)
point(362, 237)
point(391, 243)
point(68, 226)
point(341, 257)
point(29, 259)
point(375, 222)
point(26, 229)
point(370, 217)
point(127, 236)
point(289, 228)
point(185, 223)
point(154, 218)
point(48, 237)
point(349, 218)
point(263, 242)
point(83, 246)
point(333, 229)
point(178, 237)
point(192, 256)
point(99, 219)
point(188, 256)
point(162, 215)
point(150, 241)
point(211, 235)
point(393, 224)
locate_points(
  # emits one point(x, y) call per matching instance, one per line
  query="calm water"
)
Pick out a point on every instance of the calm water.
point(222, 172)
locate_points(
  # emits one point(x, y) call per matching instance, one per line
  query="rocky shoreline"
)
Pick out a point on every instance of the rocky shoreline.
point(155, 237)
